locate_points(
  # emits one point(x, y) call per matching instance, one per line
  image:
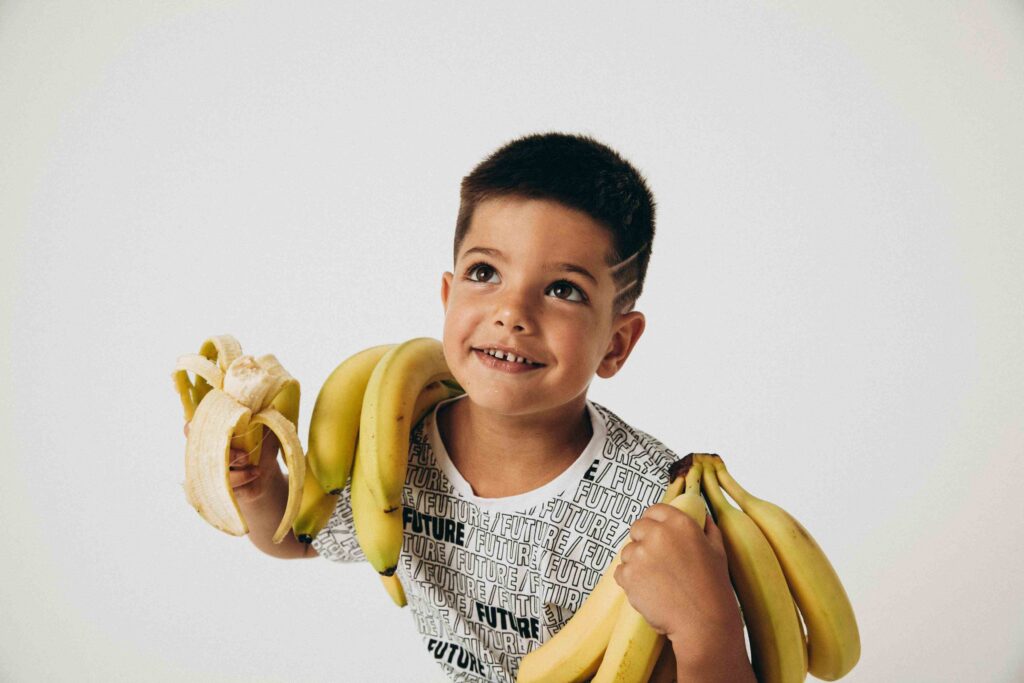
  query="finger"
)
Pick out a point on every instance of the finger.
point(636, 531)
point(239, 478)
point(238, 459)
point(626, 552)
point(269, 443)
point(660, 512)
point(640, 529)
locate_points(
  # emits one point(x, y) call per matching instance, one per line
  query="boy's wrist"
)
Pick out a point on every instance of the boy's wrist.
point(712, 654)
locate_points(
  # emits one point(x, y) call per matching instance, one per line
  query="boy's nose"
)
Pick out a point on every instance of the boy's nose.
point(515, 328)
point(513, 312)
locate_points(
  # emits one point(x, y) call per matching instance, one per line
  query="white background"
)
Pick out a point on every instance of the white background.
point(833, 301)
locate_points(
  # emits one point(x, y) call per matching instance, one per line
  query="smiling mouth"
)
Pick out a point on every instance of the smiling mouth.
point(507, 365)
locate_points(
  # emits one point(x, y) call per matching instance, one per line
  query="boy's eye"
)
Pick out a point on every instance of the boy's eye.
point(568, 287)
point(476, 268)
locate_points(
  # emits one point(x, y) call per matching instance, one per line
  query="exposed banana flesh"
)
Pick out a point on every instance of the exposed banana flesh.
point(634, 646)
point(233, 399)
point(574, 653)
point(206, 456)
point(220, 351)
point(778, 651)
point(833, 640)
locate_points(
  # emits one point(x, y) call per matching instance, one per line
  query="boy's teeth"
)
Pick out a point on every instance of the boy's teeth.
point(500, 355)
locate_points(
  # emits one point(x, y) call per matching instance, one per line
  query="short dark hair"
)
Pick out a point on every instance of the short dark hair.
point(580, 173)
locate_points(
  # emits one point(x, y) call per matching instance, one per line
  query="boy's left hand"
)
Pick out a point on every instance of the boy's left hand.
point(676, 575)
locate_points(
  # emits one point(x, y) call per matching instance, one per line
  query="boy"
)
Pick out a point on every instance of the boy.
point(519, 491)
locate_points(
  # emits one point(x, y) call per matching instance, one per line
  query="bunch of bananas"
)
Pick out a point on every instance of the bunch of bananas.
point(367, 406)
point(779, 573)
point(359, 435)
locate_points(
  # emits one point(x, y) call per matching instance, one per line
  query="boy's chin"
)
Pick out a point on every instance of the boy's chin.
point(502, 401)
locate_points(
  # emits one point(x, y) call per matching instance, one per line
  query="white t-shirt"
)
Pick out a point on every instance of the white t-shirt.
point(489, 579)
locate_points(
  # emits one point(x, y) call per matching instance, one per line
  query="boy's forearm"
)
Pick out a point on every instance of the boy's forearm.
point(264, 516)
point(718, 659)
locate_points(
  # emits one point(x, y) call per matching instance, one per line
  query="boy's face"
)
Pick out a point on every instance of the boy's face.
point(521, 298)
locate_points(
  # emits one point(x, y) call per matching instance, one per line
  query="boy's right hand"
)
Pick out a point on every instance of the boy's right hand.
point(261, 492)
point(250, 482)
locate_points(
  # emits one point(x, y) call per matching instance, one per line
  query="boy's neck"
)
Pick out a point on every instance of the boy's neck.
point(502, 456)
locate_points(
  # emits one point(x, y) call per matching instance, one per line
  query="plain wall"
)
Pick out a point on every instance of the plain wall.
point(833, 301)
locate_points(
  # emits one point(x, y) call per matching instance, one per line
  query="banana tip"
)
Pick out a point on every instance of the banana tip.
point(680, 467)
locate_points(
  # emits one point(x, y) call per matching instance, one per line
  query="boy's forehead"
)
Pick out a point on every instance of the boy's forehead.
point(570, 233)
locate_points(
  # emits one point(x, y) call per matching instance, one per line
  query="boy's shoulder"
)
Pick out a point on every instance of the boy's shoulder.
point(625, 443)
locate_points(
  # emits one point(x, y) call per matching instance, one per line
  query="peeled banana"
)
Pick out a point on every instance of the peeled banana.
point(233, 398)
point(833, 640)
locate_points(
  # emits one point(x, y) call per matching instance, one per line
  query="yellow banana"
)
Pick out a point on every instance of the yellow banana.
point(394, 588)
point(335, 421)
point(833, 640)
point(777, 648)
point(315, 510)
point(379, 532)
point(385, 420)
point(574, 653)
point(634, 646)
point(233, 398)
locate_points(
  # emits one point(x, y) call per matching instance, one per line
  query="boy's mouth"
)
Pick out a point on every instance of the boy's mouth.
point(503, 361)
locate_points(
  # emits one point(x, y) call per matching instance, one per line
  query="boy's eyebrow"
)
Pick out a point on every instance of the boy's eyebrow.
point(567, 267)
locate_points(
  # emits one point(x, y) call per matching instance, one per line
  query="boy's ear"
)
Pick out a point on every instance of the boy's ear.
point(446, 289)
point(626, 332)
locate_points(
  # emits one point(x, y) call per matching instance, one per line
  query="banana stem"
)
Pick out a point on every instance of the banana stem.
point(713, 492)
point(738, 493)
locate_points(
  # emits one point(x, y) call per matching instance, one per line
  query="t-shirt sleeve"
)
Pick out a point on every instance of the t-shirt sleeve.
point(337, 540)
